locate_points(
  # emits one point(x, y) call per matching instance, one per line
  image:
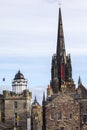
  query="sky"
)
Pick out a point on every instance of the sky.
point(28, 36)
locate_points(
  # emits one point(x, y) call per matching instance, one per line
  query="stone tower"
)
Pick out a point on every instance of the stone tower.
point(61, 70)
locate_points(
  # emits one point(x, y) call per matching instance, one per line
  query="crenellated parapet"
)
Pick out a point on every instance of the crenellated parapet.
point(11, 94)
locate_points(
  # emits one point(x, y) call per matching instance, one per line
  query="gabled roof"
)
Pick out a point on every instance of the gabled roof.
point(35, 103)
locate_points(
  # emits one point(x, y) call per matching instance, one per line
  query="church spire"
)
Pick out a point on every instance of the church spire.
point(61, 70)
point(60, 37)
point(61, 53)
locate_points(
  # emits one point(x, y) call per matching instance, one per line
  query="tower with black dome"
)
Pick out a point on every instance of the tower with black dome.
point(19, 83)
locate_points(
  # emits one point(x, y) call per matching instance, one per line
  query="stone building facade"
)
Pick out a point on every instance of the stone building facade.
point(36, 116)
point(63, 113)
point(66, 111)
point(65, 107)
point(15, 107)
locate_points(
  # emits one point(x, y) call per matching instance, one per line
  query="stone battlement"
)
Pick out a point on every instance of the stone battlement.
point(10, 94)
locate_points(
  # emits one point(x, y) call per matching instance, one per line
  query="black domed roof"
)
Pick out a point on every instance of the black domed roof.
point(19, 75)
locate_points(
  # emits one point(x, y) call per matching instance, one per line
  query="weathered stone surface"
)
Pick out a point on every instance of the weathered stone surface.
point(70, 113)
point(15, 108)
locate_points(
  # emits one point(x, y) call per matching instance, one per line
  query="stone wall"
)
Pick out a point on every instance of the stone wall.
point(83, 109)
point(15, 108)
point(62, 113)
point(37, 118)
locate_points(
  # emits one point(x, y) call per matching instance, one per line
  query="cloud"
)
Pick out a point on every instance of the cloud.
point(28, 29)
point(31, 30)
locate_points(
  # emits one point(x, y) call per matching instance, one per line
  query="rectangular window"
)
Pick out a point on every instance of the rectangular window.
point(15, 115)
point(15, 104)
point(61, 128)
point(52, 116)
point(24, 105)
point(77, 128)
point(52, 105)
point(15, 119)
point(84, 118)
point(59, 116)
point(70, 116)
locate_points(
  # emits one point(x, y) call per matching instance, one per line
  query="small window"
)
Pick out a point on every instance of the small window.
point(16, 124)
point(70, 116)
point(24, 105)
point(15, 104)
point(84, 118)
point(52, 116)
point(36, 116)
point(15, 115)
point(52, 105)
point(77, 128)
point(61, 128)
point(15, 118)
point(59, 116)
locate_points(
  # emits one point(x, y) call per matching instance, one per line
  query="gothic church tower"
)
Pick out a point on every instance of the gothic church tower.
point(61, 70)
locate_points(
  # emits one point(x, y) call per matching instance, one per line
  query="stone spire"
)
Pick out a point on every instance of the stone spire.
point(59, 59)
point(61, 53)
point(35, 103)
point(43, 98)
point(43, 113)
point(60, 37)
point(68, 76)
point(79, 81)
point(61, 70)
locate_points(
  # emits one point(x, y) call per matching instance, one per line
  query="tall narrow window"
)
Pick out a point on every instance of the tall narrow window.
point(15, 119)
point(15, 104)
point(52, 116)
point(70, 116)
point(77, 128)
point(85, 118)
point(24, 105)
point(15, 115)
point(59, 116)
